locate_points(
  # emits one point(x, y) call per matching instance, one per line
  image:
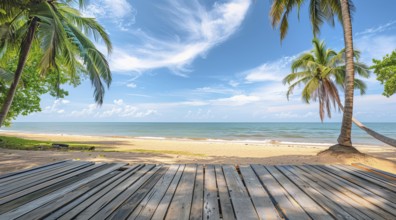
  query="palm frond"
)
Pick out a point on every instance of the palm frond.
point(6, 75)
point(361, 86)
point(297, 83)
point(296, 75)
point(310, 89)
point(95, 62)
point(362, 70)
point(316, 16)
point(301, 61)
point(89, 26)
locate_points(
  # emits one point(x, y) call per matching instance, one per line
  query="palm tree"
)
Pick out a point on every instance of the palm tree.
point(319, 11)
point(62, 35)
point(321, 71)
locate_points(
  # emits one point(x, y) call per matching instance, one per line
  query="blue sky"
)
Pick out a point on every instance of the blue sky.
point(216, 61)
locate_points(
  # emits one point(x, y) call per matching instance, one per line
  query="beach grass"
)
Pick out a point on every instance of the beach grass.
point(26, 144)
point(16, 143)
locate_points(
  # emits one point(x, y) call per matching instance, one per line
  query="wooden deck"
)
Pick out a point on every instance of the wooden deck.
point(86, 190)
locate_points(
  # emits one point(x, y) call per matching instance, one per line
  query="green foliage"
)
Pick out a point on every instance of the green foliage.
point(25, 144)
point(62, 36)
point(319, 12)
point(32, 85)
point(385, 70)
point(320, 71)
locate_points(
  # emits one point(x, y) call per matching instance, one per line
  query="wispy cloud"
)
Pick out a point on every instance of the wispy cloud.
point(375, 30)
point(269, 71)
point(236, 100)
point(375, 46)
point(119, 12)
point(131, 85)
point(196, 30)
point(56, 107)
point(118, 109)
point(215, 90)
point(376, 42)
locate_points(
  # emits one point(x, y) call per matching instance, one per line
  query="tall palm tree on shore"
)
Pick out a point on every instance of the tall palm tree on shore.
point(62, 35)
point(322, 71)
point(320, 11)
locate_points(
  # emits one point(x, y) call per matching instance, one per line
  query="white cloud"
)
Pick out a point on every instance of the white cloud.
point(269, 71)
point(236, 100)
point(375, 46)
point(199, 114)
point(196, 30)
point(131, 85)
point(233, 83)
point(87, 111)
point(118, 101)
point(215, 90)
point(56, 106)
point(117, 110)
point(120, 12)
point(375, 30)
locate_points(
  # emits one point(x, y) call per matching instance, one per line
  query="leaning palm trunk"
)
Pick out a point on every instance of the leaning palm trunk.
point(374, 134)
point(378, 136)
point(26, 45)
point(345, 136)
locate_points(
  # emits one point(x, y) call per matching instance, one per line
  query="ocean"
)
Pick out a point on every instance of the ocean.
point(245, 132)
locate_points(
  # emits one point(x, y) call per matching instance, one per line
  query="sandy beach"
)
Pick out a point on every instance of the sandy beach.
point(135, 150)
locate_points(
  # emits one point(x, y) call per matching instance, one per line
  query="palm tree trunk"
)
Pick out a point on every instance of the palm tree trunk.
point(25, 48)
point(378, 136)
point(374, 134)
point(345, 136)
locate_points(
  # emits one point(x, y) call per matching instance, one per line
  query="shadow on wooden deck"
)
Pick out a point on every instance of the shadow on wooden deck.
point(85, 190)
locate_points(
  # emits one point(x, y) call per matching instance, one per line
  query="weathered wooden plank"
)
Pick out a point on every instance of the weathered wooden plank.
point(372, 175)
point(339, 191)
point(105, 205)
point(59, 202)
point(225, 202)
point(385, 174)
point(146, 208)
point(35, 180)
point(43, 200)
point(45, 184)
point(378, 190)
point(113, 205)
point(261, 200)
point(362, 192)
point(180, 206)
point(211, 206)
point(36, 172)
point(17, 174)
point(243, 206)
point(197, 201)
point(379, 183)
point(309, 205)
point(361, 204)
point(162, 208)
point(47, 190)
point(379, 176)
point(315, 193)
point(129, 205)
point(76, 206)
point(382, 175)
point(320, 185)
point(363, 197)
point(289, 209)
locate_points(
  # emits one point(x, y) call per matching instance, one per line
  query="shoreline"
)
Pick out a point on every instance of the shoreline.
point(179, 139)
point(170, 151)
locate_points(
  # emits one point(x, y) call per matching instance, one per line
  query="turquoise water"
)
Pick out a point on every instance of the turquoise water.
point(285, 132)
